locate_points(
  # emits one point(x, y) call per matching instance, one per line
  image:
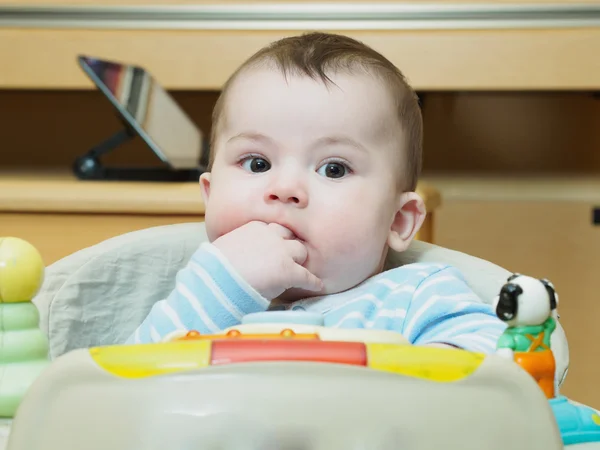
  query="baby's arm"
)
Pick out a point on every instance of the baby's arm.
point(445, 311)
point(208, 296)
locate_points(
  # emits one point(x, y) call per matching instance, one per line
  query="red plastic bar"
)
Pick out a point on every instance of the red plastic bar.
point(237, 351)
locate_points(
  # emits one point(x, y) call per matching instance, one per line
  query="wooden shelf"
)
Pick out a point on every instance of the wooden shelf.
point(557, 188)
point(60, 192)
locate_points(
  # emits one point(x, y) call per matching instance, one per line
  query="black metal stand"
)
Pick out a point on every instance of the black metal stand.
point(89, 166)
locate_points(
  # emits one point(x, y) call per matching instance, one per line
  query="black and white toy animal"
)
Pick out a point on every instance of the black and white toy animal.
point(525, 300)
point(528, 306)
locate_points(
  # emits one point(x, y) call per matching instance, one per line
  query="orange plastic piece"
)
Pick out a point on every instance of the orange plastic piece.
point(193, 333)
point(234, 351)
point(541, 366)
point(286, 334)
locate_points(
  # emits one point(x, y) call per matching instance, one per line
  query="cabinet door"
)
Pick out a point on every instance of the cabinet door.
point(552, 239)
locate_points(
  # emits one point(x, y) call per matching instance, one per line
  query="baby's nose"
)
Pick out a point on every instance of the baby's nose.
point(291, 199)
point(290, 193)
point(299, 200)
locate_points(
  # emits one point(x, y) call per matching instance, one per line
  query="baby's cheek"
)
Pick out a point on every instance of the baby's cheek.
point(357, 239)
point(343, 238)
point(221, 221)
point(347, 261)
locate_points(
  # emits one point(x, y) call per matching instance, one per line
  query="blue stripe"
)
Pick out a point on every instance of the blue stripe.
point(445, 324)
point(365, 306)
point(227, 283)
point(353, 322)
point(145, 333)
point(447, 288)
point(161, 322)
point(214, 309)
point(444, 288)
point(400, 300)
point(388, 323)
point(186, 313)
point(379, 290)
point(463, 341)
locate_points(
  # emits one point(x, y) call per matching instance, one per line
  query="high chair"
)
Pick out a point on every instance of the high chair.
point(99, 295)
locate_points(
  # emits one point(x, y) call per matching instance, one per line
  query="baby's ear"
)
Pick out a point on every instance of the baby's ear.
point(205, 186)
point(410, 214)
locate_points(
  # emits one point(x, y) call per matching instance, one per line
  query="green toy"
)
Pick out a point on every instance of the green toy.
point(531, 338)
point(528, 306)
point(23, 346)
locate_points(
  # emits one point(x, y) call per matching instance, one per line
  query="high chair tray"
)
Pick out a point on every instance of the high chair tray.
point(227, 392)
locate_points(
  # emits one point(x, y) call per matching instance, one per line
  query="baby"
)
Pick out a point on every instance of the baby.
point(315, 156)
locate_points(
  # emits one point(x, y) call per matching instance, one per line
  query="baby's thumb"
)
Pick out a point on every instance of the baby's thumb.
point(304, 279)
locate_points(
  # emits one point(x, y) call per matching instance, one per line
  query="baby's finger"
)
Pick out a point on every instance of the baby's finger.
point(282, 231)
point(296, 250)
point(303, 279)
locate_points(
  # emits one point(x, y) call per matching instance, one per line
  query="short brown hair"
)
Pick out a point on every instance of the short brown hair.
point(316, 54)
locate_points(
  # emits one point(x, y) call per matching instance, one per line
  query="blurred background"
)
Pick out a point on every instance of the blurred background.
point(511, 106)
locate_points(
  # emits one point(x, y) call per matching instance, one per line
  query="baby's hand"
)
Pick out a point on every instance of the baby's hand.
point(269, 258)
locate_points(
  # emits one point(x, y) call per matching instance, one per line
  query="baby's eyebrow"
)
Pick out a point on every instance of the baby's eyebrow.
point(339, 140)
point(252, 136)
point(320, 142)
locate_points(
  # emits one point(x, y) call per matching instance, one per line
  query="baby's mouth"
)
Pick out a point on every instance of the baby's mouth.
point(298, 238)
point(294, 234)
point(295, 237)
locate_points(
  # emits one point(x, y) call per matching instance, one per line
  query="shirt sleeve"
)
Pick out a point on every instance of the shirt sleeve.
point(445, 310)
point(208, 296)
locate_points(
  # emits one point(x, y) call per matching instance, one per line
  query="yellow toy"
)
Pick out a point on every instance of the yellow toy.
point(23, 346)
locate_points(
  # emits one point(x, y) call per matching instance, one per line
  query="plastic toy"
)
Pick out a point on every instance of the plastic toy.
point(529, 307)
point(282, 380)
point(23, 346)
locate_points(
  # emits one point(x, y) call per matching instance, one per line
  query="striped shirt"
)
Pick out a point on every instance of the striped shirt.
point(425, 302)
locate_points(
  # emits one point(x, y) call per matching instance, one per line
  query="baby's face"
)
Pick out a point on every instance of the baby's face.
point(321, 160)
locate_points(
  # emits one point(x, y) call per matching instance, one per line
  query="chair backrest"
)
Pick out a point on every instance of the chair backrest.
point(99, 295)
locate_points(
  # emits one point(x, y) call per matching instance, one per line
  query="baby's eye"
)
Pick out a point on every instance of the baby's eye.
point(333, 170)
point(255, 164)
